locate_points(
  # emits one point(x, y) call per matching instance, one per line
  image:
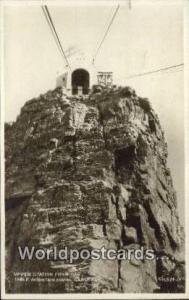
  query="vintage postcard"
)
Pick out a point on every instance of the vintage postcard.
point(94, 122)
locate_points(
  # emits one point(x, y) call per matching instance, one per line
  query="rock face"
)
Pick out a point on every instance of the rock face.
point(88, 172)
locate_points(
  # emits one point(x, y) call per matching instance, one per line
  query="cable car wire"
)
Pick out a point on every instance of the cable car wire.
point(106, 32)
point(155, 71)
point(54, 32)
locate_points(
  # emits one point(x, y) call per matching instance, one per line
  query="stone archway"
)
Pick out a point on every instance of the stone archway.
point(80, 81)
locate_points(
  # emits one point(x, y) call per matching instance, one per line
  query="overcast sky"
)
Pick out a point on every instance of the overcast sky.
point(147, 37)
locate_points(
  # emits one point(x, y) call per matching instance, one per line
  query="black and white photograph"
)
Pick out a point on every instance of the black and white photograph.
point(94, 200)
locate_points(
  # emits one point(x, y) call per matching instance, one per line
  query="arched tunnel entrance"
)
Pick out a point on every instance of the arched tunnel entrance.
point(80, 81)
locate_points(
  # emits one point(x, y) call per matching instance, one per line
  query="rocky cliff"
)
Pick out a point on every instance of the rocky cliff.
point(88, 172)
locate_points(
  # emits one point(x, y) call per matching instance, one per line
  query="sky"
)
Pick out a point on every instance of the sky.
point(145, 37)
